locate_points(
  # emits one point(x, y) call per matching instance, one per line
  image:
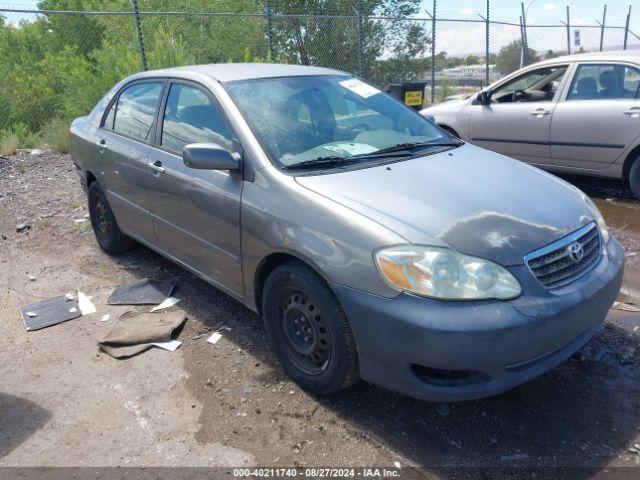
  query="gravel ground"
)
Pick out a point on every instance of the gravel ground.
point(63, 403)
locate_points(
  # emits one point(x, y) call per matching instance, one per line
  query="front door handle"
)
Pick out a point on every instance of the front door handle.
point(156, 166)
point(633, 112)
point(540, 112)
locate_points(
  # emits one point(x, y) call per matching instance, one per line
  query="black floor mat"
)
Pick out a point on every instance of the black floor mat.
point(144, 292)
point(49, 312)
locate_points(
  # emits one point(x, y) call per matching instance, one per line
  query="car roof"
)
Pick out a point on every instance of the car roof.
point(230, 72)
point(616, 55)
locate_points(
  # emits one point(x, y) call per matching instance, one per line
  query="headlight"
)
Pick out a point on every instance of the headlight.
point(444, 273)
point(597, 216)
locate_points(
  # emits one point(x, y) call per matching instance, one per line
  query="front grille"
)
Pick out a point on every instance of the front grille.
point(556, 265)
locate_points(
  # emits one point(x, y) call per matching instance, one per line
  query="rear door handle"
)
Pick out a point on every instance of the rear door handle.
point(156, 166)
point(633, 112)
point(540, 112)
point(102, 145)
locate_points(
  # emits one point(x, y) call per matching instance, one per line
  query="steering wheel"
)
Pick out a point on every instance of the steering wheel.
point(518, 95)
point(358, 129)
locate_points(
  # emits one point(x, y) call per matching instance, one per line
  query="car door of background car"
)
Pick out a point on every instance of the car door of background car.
point(123, 145)
point(517, 121)
point(599, 116)
point(196, 213)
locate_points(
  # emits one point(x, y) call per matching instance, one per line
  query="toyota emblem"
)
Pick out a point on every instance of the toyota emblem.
point(576, 252)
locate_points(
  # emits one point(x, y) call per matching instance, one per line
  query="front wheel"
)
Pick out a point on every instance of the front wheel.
point(308, 330)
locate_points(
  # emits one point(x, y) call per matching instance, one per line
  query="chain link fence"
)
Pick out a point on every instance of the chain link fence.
point(57, 60)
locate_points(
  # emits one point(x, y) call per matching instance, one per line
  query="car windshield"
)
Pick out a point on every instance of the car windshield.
point(331, 121)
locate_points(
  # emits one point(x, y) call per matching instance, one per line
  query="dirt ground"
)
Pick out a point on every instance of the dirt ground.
point(63, 403)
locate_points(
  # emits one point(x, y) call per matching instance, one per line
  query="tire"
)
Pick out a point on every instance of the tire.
point(308, 330)
point(634, 177)
point(105, 227)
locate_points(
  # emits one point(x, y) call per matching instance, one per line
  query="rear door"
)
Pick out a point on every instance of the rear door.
point(599, 116)
point(123, 143)
point(196, 213)
point(517, 121)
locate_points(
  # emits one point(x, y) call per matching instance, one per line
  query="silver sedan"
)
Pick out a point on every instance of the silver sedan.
point(575, 114)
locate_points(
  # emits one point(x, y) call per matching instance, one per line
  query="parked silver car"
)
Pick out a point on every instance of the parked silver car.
point(374, 244)
point(575, 114)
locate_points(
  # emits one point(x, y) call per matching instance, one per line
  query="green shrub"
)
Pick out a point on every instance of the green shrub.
point(55, 135)
point(8, 143)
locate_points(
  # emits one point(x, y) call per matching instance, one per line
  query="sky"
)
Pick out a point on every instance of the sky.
point(464, 38)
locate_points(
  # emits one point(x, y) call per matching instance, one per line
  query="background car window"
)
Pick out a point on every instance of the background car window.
point(592, 82)
point(191, 117)
point(135, 110)
point(536, 86)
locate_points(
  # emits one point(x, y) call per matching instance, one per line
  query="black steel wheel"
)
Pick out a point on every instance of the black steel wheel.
point(308, 330)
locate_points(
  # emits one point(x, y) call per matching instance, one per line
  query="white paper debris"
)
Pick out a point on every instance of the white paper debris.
point(32, 314)
point(168, 302)
point(68, 296)
point(79, 220)
point(171, 345)
point(105, 318)
point(397, 464)
point(73, 310)
point(213, 339)
point(359, 87)
point(85, 305)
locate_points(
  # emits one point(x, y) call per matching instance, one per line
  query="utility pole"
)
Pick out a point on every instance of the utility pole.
point(568, 32)
point(525, 43)
point(486, 46)
point(626, 29)
point(267, 8)
point(602, 26)
point(360, 39)
point(433, 53)
point(136, 16)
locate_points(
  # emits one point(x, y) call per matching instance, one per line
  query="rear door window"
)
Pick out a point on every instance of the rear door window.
point(135, 110)
point(605, 82)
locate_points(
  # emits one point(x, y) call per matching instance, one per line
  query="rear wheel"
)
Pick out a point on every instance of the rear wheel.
point(634, 177)
point(308, 330)
point(104, 224)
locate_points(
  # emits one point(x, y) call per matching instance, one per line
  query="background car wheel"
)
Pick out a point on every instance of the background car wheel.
point(308, 330)
point(634, 177)
point(104, 224)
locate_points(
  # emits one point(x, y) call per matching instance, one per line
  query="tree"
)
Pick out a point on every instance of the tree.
point(508, 59)
point(550, 54)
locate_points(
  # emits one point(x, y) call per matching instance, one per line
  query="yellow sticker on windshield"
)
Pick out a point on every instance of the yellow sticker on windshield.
point(413, 99)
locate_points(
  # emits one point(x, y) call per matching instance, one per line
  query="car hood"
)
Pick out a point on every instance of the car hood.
point(473, 200)
point(450, 106)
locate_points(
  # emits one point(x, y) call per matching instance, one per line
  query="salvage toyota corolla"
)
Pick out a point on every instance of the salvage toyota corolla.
point(374, 244)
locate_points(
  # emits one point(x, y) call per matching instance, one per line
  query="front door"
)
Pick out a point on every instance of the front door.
point(599, 118)
point(196, 213)
point(123, 146)
point(517, 120)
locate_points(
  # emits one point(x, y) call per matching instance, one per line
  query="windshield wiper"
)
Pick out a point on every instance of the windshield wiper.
point(322, 162)
point(406, 146)
point(393, 151)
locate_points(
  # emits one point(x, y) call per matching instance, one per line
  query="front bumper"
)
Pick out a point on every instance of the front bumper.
point(449, 351)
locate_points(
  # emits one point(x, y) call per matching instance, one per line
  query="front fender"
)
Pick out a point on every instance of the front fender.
point(281, 216)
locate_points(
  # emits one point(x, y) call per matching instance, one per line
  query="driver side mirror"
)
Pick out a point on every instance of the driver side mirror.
point(209, 156)
point(484, 97)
